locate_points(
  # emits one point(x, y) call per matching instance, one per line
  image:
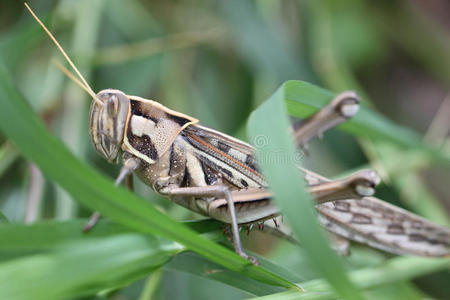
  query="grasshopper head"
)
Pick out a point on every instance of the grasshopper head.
point(107, 122)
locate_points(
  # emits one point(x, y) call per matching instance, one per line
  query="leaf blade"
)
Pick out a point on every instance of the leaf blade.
point(270, 121)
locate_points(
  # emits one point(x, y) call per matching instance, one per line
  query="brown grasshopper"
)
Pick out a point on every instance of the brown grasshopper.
point(216, 175)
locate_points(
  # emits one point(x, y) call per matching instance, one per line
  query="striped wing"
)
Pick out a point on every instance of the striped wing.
point(381, 225)
point(384, 226)
point(231, 158)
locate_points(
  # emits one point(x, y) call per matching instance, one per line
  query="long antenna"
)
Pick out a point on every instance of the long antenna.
point(70, 75)
point(88, 88)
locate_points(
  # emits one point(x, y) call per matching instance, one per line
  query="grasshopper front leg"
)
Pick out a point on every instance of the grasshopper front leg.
point(129, 166)
point(215, 192)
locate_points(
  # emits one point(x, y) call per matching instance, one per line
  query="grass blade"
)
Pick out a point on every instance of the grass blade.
point(46, 238)
point(84, 267)
point(396, 269)
point(18, 239)
point(194, 264)
point(276, 154)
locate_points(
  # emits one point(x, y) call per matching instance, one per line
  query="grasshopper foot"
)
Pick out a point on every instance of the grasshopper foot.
point(92, 222)
point(250, 258)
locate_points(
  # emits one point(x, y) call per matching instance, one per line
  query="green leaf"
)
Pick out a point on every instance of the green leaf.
point(268, 127)
point(192, 263)
point(84, 267)
point(396, 269)
point(47, 238)
point(97, 192)
point(303, 98)
point(21, 239)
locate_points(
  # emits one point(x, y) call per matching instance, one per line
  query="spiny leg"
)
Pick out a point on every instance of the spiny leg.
point(125, 173)
point(217, 192)
point(340, 109)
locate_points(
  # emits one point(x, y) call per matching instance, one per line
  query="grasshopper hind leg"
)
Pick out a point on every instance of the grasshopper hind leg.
point(340, 109)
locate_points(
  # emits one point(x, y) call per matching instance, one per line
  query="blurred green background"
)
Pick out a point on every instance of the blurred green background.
point(217, 61)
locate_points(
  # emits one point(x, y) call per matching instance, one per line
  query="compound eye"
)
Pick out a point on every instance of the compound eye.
point(112, 106)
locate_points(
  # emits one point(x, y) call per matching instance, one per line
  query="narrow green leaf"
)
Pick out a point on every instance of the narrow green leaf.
point(151, 286)
point(22, 239)
point(84, 267)
point(268, 128)
point(18, 239)
point(396, 269)
point(396, 290)
point(95, 191)
point(192, 263)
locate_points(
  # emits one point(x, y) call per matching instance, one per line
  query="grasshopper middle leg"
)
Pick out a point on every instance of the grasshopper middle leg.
point(217, 191)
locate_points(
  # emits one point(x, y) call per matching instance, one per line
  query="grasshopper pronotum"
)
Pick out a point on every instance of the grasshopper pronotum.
point(216, 175)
